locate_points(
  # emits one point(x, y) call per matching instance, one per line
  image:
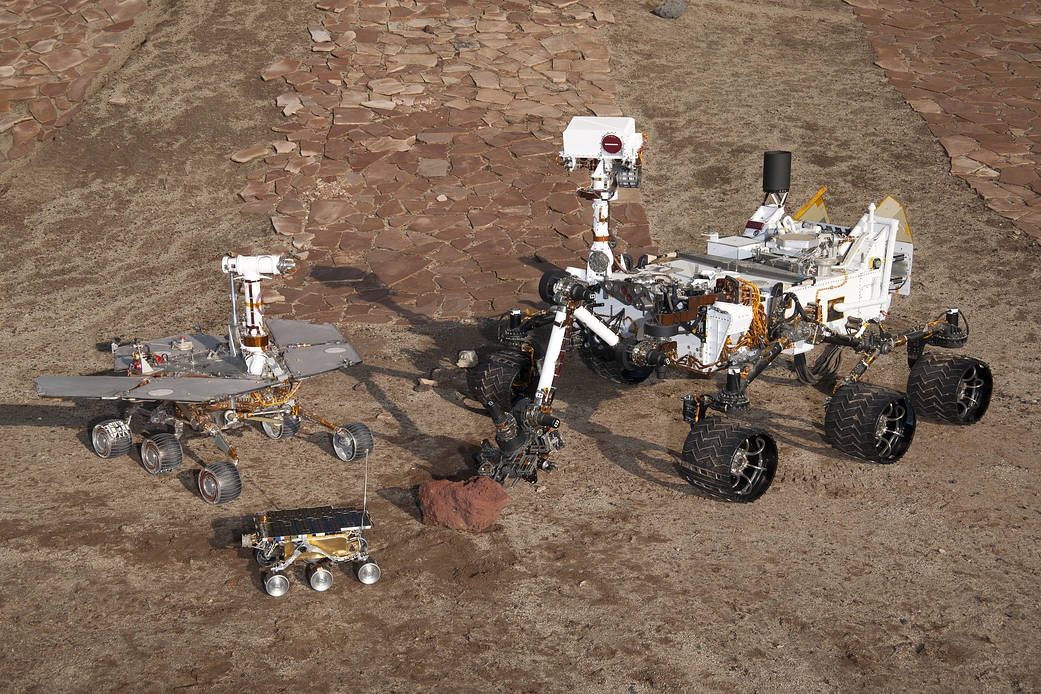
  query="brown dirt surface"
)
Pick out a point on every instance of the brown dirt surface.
point(610, 574)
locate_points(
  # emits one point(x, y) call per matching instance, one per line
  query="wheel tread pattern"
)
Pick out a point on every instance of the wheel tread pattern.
point(932, 387)
point(494, 378)
point(118, 446)
point(170, 454)
point(228, 478)
point(850, 417)
point(361, 435)
point(706, 456)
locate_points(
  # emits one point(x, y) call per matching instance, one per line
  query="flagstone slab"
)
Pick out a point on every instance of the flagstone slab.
point(965, 72)
point(425, 139)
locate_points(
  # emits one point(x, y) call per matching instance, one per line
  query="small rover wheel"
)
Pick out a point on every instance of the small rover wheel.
point(111, 438)
point(220, 482)
point(601, 360)
point(729, 461)
point(286, 429)
point(368, 572)
point(870, 422)
point(501, 377)
point(353, 441)
point(953, 389)
point(161, 453)
point(320, 577)
point(276, 584)
point(822, 366)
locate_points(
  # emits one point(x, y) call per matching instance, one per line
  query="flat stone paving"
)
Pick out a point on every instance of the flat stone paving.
point(416, 174)
point(972, 69)
point(413, 166)
point(51, 54)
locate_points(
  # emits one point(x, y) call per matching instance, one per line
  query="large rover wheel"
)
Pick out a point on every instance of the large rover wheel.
point(161, 453)
point(601, 360)
point(220, 482)
point(111, 438)
point(286, 429)
point(819, 365)
point(501, 377)
point(869, 422)
point(952, 389)
point(353, 441)
point(729, 461)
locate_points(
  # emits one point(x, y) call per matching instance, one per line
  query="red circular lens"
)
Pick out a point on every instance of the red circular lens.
point(612, 144)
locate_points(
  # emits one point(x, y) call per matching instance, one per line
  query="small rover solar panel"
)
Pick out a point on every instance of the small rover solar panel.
point(310, 521)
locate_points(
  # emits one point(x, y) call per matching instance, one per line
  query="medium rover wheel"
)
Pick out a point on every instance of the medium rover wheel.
point(161, 453)
point(352, 441)
point(220, 482)
point(276, 584)
point(601, 360)
point(870, 422)
point(286, 429)
point(501, 377)
point(953, 389)
point(818, 365)
point(729, 461)
point(268, 559)
point(111, 438)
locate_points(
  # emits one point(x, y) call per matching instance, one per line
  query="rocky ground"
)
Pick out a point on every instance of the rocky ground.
point(610, 574)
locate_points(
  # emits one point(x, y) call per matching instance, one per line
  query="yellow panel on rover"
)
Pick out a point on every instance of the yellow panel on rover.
point(815, 210)
point(894, 210)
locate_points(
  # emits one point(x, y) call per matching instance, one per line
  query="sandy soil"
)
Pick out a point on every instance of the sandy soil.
point(610, 575)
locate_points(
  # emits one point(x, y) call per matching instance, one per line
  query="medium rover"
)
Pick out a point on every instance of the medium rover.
point(213, 383)
point(794, 284)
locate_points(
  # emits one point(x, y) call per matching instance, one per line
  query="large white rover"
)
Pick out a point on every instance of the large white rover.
point(789, 283)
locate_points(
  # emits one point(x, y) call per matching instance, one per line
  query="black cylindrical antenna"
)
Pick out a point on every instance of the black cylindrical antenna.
point(777, 172)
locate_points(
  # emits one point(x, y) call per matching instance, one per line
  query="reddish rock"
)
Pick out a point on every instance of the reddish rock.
point(472, 505)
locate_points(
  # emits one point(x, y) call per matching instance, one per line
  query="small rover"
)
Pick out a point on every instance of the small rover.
point(794, 284)
point(213, 383)
point(319, 537)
